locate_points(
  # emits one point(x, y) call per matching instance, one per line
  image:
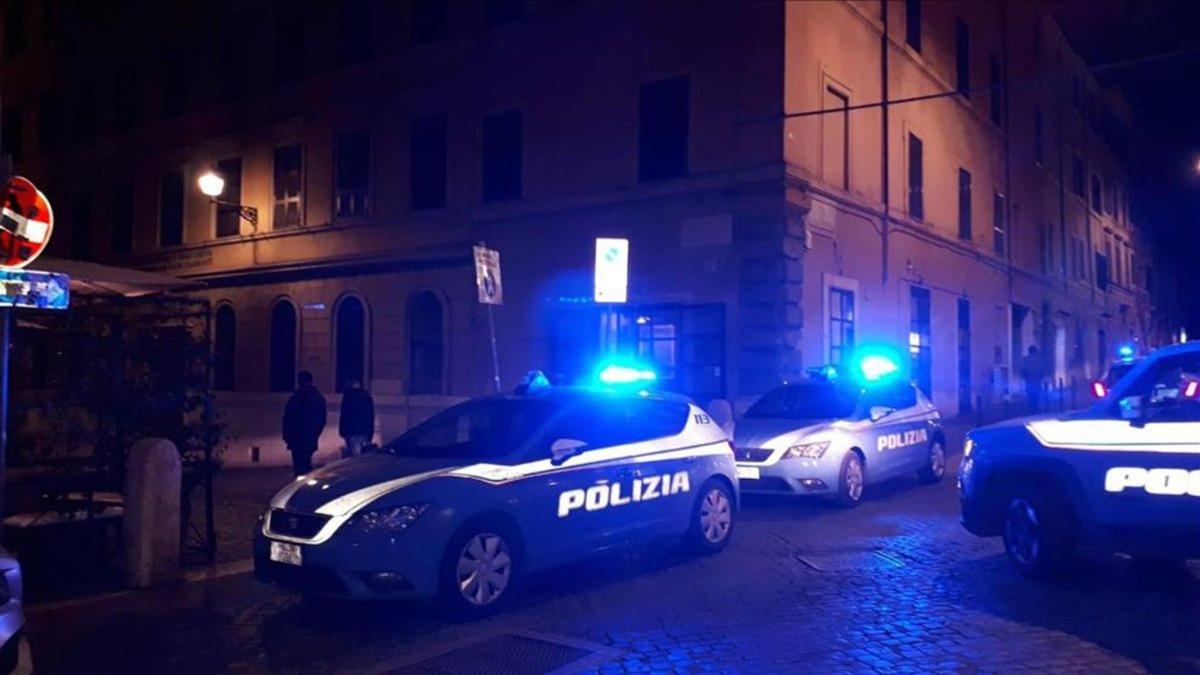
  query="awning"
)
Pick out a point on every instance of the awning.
point(88, 278)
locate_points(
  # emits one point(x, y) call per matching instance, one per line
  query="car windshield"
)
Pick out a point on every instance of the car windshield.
point(806, 401)
point(487, 428)
point(1119, 370)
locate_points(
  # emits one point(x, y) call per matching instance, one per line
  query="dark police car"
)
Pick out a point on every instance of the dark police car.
point(464, 503)
point(1123, 475)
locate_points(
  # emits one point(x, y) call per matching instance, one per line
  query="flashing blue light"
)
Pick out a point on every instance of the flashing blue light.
point(1125, 352)
point(875, 367)
point(618, 374)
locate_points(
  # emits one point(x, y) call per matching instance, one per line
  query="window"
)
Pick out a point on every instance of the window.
point(658, 336)
point(170, 209)
point(288, 187)
point(350, 336)
point(283, 346)
point(896, 395)
point(663, 129)
point(996, 92)
point(14, 28)
point(962, 58)
point(353, 174)
point(502, 156)
point(224, 346)
point(964, 204)
point(503, 11)
point(1039, 136)
point(10, 140)
point(807, 401)
point(999, 228)
point(48, 123)
point(1101, 271)
point(841, 324)
point(920, 346)
point(964, 356)
point(122, 218)
point(1077, 180)
point(686, 345)
point(835, 138)
point(427, 162)
point(488, 429)
point(916, 178)
point(176, 79)
point(429, 20)
point(354, 26)
point(290, 20)
point(1161, 387)
point(1046, 248)
point(912, 23)
point(1097, 194)
point(1110, 205)
point(425, 344)
point(228, 219)
point(81, 225)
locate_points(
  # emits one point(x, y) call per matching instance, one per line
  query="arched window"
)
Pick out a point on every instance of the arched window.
point(283, 346)
point(224, 345)
point(350, 337)
point(425, 344)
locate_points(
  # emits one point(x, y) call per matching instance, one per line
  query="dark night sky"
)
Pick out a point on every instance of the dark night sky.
point(1165, 96)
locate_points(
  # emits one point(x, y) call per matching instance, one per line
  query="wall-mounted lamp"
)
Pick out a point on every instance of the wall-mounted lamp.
point(212, 185)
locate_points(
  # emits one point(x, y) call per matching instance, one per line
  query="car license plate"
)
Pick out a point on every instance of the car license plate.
point(748, 472)
point(288, 554)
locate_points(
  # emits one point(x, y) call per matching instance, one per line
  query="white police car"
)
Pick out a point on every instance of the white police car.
point(833, 434)
point(1123, 475)
point(490, 489)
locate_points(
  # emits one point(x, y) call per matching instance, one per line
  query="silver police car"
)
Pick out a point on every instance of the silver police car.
point(463, 504)
point(830, 436)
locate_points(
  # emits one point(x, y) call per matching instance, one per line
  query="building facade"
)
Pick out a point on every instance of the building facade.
point(778, 214)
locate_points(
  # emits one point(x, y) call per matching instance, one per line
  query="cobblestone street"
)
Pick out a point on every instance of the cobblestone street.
point(895, 585)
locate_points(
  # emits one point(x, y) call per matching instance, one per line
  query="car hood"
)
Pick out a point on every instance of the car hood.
point(759, 433)
point(346, 485)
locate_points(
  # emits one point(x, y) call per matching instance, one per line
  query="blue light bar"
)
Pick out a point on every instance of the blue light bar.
point(875, 367)
point(1125, 351)
point(616, 374)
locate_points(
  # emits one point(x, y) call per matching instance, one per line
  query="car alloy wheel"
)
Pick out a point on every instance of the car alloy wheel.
point(484, 569)
point(1022, 534)
point(716, 516)
point(852, 478)
point(937, 460)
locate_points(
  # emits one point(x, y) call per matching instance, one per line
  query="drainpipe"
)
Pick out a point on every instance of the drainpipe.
point(883, 69)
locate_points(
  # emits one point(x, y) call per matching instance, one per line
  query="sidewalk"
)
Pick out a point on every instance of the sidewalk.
point(239, 497)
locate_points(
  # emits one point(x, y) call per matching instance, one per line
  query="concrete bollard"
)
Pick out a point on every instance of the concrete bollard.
point(151, 531)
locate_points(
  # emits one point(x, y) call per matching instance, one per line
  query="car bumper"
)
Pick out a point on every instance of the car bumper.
point(352, 567)
point(789, 476)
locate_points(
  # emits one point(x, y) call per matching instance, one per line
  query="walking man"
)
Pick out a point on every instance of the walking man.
point(1032, 372)
point(303, 422)
point(356, 424)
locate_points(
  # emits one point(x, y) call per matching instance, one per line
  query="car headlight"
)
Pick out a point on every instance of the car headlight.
point(388, 520)
point(968, 448)
point(807, 450)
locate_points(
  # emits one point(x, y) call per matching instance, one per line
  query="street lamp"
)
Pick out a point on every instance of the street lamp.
point(212, 185)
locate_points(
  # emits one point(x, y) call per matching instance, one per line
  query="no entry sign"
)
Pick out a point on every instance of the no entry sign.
point(26, 221)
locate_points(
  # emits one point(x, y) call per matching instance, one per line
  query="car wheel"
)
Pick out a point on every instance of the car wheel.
point(851, 480)
point(1037, 537)
point(712, 518)
point(478, 570)
point(935, 463)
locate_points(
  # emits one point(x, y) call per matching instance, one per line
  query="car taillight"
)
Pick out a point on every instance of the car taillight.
point(1099, 390)
point(1192, 389)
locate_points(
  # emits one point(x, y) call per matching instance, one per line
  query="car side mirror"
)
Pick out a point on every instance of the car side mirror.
point(1131, 408)
point(564, 449)
point(878, 412)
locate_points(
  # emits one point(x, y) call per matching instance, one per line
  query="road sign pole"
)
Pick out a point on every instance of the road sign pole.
point(5, 322)
point(495, 352)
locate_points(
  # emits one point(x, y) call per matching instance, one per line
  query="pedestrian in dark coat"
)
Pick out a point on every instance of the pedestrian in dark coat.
point(303, 422)
point(356, 423)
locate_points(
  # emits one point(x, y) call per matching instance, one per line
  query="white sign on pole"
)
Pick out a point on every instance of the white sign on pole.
point(487, 276)
point(612, 270)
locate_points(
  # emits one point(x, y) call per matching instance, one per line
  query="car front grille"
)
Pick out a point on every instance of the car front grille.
point(753, 454)
point(296, 524)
